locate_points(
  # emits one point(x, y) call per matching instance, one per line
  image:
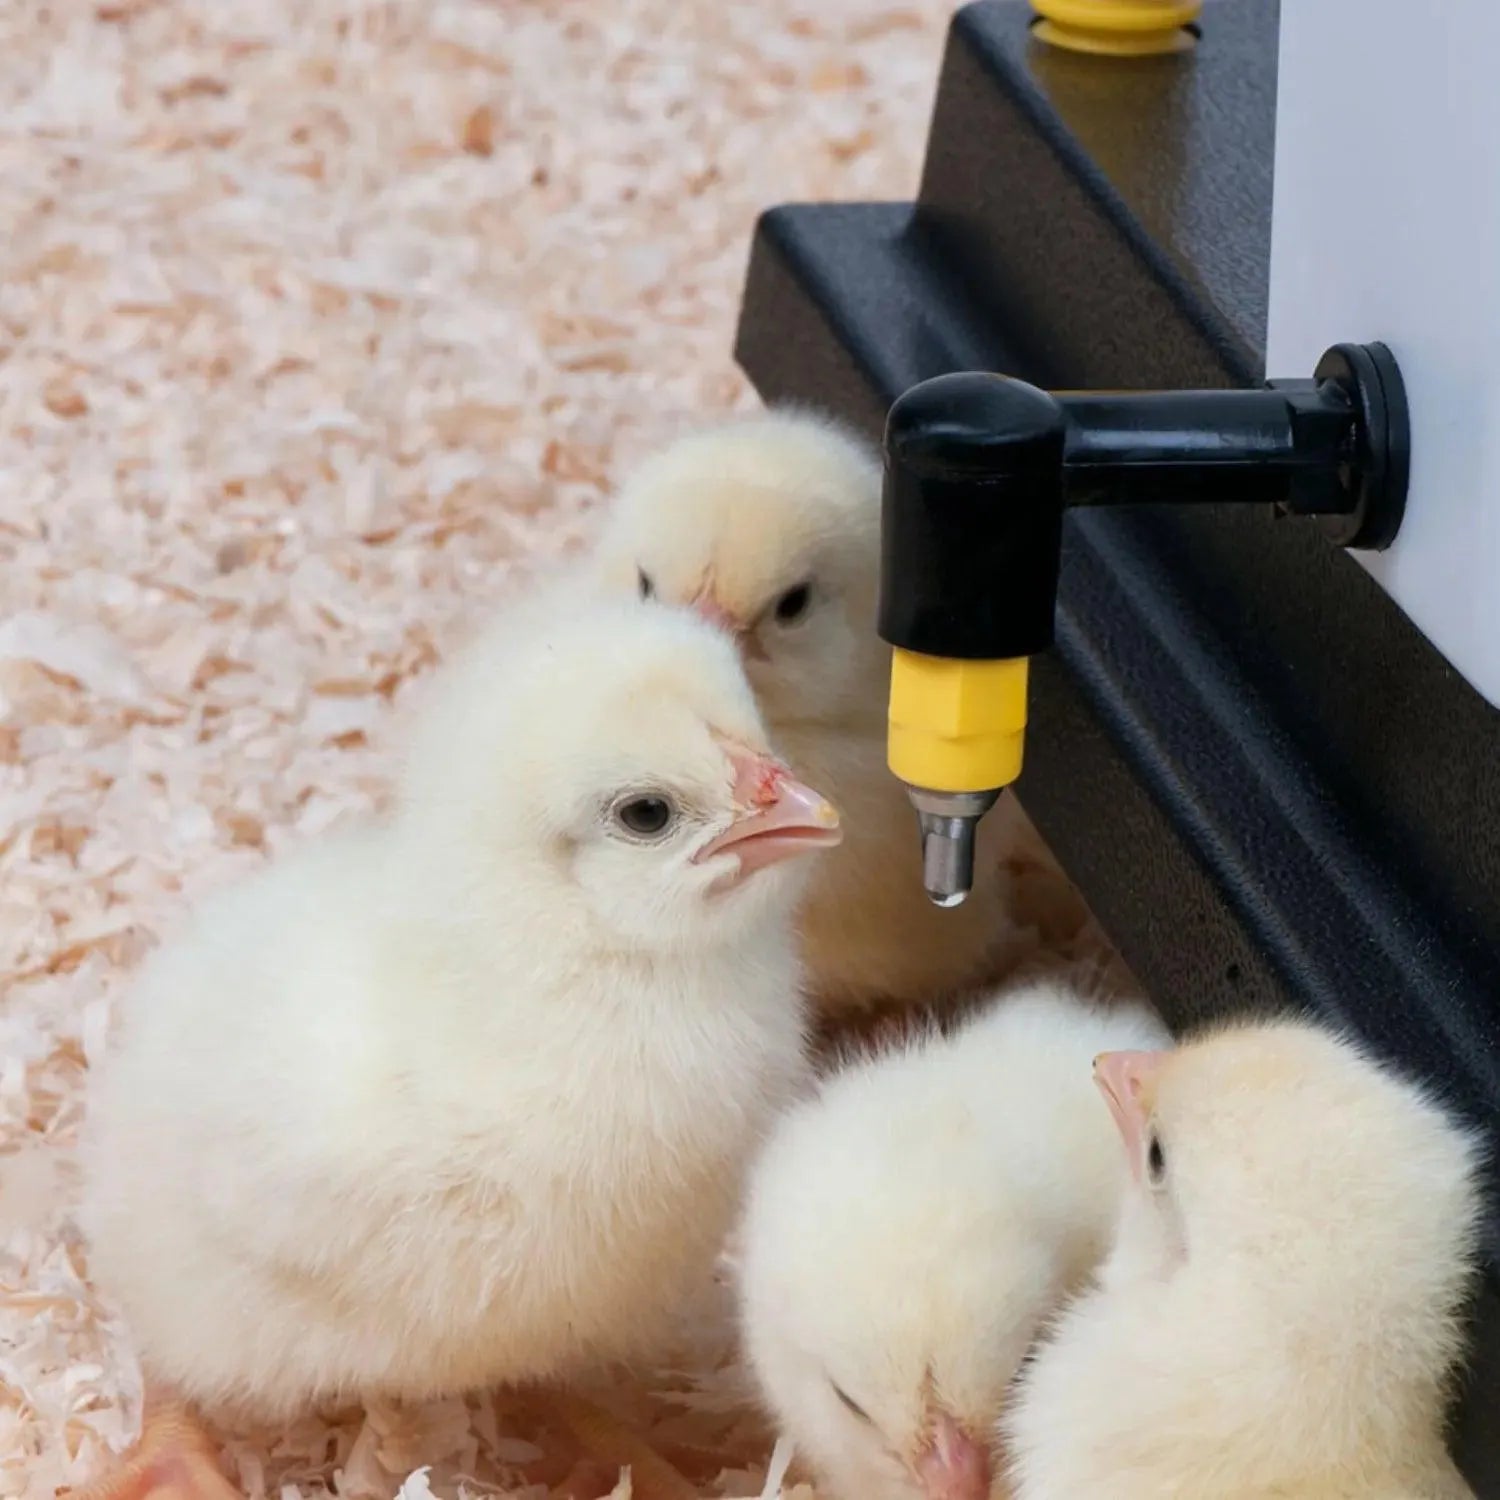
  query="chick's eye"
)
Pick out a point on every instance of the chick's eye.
point(1156, 1162)
point(646, 817)
point(850, 1402)
point(644, 584)
point(793, 604)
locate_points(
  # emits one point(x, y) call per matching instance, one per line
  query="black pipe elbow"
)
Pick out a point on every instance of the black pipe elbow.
point(971, 523)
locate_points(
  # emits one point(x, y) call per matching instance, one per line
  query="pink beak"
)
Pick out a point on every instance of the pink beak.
point(1127, 1080)
point(779, 819)
point(715, 613)
point(709, 608)
point(954, 1465)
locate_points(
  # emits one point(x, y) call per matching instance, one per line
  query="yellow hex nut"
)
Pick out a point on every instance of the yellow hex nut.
point(956, 726)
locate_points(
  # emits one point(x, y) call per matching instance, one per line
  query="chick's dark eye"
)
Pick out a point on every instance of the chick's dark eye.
point(850, 1402)
point(646, 817)
point(1156, 1162)
point(793, 604)
point(643, 582)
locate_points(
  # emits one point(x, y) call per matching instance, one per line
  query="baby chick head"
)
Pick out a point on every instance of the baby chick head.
point(886, 1304)
point(769, 527)
point(1278, 1170)
point(610, 760)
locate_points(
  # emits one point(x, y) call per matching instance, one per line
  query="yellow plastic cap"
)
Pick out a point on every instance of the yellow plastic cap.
point(1117, 28)
point(956, 726)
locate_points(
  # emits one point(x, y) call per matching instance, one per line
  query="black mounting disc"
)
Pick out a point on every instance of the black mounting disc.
point(1380, 469)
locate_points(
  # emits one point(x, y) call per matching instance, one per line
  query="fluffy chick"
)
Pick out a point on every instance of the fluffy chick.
point(465, 1097)
point(1280, 1314)
point(908, 1230)
point(770, 526)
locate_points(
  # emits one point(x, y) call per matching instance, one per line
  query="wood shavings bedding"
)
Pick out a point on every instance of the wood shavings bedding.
point(321, 320)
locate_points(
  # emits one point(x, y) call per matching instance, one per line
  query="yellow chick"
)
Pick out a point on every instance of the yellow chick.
point(909, 1229)
point(464, 1097)
point(1280, 1316)
point(770, 527)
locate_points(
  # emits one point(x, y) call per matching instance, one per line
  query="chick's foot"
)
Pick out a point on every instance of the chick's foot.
point(174, 1460)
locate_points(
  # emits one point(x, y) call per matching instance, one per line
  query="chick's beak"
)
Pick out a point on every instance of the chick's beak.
point(1128, 1082)
point(779, 818)
point(744, 636)
point(711, 610)
point(955, 1465)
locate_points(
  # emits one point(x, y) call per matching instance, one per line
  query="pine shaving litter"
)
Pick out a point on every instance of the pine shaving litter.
point(321, 321)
